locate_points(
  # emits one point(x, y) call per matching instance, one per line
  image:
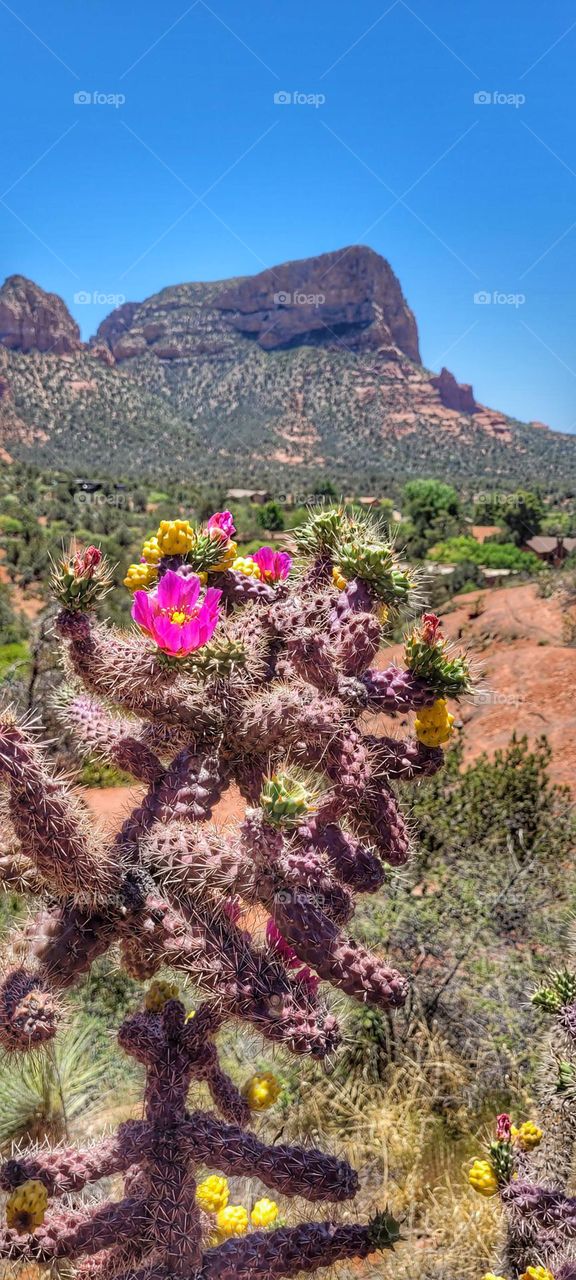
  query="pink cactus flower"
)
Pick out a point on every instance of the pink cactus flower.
point(503, 1127)
point(174, 616)
point(274, 565)
point(431, 628)
point(85, 562)
point(221, 524)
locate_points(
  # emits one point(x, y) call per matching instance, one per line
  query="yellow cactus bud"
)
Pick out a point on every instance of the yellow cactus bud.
point(232, 1221)
point(213, 1194)
point(175, 537)
point(264, 1213)
point(338, 578)
point(158, 993)
point(382, 613)
point(262, 1091)
point(228, 558)
point(527, 1136)
point(434, 724)
point(26, 1206)
point(490, 1276)
point(537, 1273)
point(151, 551)
point(140, 576)
point(482, 1178)
point(246, 565)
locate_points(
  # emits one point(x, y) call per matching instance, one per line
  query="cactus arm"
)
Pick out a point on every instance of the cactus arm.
point(352, 862)
point(289, 1251)
point(382, 824)
point(294, 1171)
point(405, 760)
point(286, 714)
point(29, 1014)
point(65, 1235)
point(128, 673)
point(395, 691)
point(336, 958)
point(70, 1169)
point(111, 738)
point(50, 824)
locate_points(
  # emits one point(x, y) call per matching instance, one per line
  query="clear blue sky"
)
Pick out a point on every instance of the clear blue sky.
point(199, 174)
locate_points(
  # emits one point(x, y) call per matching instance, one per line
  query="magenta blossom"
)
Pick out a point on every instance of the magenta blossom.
point(277, 940)
point(274, 566)
point(221, 524)
point(503, 1127)
point(174, 616)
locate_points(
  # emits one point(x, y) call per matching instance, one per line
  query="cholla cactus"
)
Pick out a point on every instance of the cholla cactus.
point(253, 677)
point(532, 1166)
point(237, 671)
point(165, 1222)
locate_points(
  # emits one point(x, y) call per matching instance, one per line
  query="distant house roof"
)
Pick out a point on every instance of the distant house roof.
point(543, 544)
point(496, 573)
point(482, 531)
point(239, 494)
point(440, 570)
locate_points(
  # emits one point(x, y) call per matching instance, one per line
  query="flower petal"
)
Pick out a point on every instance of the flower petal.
point(143, 611)
point(170, 590)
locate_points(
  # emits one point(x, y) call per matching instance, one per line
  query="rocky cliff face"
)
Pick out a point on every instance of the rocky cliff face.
point(349, 298)
point(32, 320)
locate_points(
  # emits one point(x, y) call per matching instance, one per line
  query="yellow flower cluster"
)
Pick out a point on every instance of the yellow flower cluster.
point(151, 551)
point(158, 993)
point(262, 1091)
point(26, 1206)
point(490, 1276)
point(483, 1178)
point(175, 537)
point(246, 565)
point(338, 578)
point(140, 576)
point(212, 1196)
point(232, 1221)
point(537, 1273)
point(264, 1213)
point(527, 1136)
point(434, 724)
point(213, 1193)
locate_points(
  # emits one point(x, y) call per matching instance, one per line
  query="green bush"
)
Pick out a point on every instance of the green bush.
point(490, 555)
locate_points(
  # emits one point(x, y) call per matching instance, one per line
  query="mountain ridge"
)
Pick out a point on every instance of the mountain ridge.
point(312, 365)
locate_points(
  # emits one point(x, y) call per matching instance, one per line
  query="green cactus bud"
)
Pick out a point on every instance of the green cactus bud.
point(218, 658)
point(285, 799)
point(384, 1231)
point(81, 579)
point(427, 656)
point(502, 1160)
point(566, 1076)
point(547, 999)
point(374, 563)
point(560, 992)
point(321, 531)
